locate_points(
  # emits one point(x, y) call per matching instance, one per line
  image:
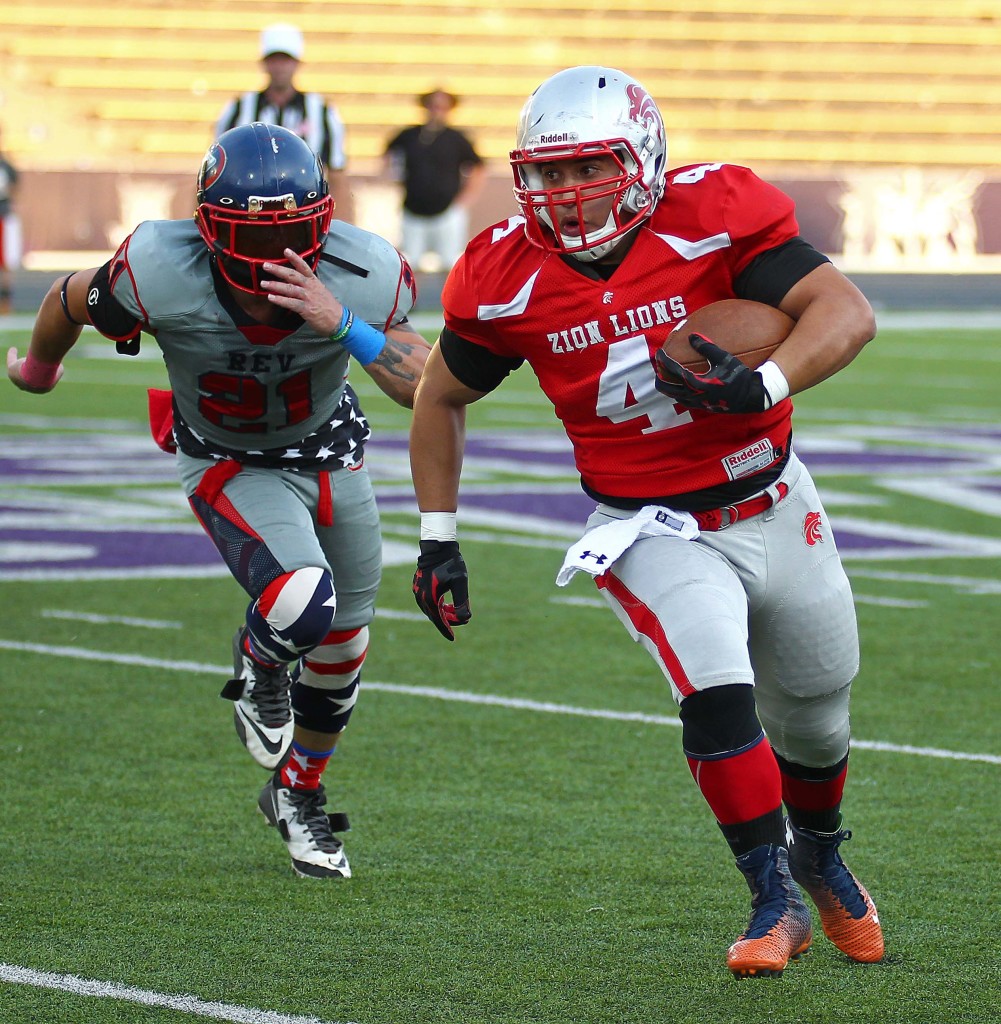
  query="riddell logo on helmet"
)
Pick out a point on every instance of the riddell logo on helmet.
point(553, 138)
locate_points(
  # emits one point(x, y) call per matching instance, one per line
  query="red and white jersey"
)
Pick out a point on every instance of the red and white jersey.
point(591, 342)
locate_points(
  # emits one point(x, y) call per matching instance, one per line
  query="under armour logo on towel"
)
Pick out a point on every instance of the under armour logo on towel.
point(600, 559)
point(602, 545)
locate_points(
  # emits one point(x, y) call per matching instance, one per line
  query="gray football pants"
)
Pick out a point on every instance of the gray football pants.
point(764, 602)
point(281, 508)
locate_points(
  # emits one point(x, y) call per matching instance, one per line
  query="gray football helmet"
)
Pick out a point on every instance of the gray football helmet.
point(578, 113)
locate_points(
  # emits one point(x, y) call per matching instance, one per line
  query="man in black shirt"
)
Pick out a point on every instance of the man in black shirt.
point(441, 174)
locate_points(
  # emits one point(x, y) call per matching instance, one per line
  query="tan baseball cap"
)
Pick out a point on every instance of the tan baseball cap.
point(282, 39)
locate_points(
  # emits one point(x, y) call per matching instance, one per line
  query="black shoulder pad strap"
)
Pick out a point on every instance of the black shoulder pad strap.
point(351, 268)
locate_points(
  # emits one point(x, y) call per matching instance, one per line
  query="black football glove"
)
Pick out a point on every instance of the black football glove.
point(441, 570)
point(727, 386)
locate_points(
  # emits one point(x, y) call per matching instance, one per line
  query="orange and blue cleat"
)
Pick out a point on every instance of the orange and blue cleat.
point(779, 929)
point(846, 910)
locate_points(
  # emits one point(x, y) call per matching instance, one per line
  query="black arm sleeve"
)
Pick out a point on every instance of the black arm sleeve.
point(770, 275)
point(109, 316)
point(473, 365)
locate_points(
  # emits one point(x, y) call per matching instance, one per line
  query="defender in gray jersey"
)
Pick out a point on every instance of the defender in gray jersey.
point(258, 306)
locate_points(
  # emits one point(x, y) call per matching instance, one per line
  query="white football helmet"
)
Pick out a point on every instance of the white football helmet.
point(582, 112)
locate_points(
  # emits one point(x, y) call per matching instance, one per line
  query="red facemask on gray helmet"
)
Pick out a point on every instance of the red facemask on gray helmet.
point(587, 112)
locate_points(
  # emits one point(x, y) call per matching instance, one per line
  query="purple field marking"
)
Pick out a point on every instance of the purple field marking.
point(125, 465)
point(113, 550)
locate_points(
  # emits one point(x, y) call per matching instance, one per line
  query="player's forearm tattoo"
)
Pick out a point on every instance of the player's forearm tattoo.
point(393, 356)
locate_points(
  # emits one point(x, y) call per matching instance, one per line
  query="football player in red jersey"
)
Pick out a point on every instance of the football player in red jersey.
point(708, 540)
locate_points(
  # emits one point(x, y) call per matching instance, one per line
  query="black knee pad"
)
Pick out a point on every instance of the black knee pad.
point(321, 710)
point(806, 773)
point(720, 720)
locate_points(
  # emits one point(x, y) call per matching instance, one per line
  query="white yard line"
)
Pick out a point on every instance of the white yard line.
point(247, 1015)
point(889, 602)
point(144, 997)
point(461, 696)
point(100, 620)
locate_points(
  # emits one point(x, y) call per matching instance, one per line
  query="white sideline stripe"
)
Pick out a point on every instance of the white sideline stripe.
point(392, 613)
point(464, 697)
point(103, 620)
point(187, 1004)
point(890, 602)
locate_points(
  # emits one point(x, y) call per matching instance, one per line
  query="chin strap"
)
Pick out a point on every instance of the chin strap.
point(602, 249)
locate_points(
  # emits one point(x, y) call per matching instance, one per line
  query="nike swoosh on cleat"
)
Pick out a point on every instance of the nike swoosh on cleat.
point(271, 746)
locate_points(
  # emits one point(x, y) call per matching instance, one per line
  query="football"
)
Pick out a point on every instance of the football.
point(751, 331)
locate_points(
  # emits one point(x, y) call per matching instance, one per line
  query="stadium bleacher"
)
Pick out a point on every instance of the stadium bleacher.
point(137, 84)
point(110, 106)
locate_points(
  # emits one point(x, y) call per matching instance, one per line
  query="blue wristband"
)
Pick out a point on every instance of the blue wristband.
point(361, 340)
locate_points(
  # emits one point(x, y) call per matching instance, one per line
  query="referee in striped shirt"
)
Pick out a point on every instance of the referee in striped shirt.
point(307, 114)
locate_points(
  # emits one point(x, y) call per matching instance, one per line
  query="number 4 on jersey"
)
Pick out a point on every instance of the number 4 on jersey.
point(694, 174)
point(626, 389)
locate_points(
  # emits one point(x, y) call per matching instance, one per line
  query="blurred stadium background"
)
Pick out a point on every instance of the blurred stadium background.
point(880, 117)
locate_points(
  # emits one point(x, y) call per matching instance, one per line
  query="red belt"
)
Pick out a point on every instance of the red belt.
point(720, 518)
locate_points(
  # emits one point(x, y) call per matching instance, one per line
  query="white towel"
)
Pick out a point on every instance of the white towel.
point(599, 548)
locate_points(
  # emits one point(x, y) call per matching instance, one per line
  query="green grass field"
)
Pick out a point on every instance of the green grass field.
point(528, 846)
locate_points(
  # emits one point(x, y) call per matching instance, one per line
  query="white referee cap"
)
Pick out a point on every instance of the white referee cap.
point(282, 39)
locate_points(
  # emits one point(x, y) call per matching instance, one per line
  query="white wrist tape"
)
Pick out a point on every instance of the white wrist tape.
point(438, 526)
point(774, 380)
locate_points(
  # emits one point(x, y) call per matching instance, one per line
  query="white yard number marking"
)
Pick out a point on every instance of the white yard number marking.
point(626, 390)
